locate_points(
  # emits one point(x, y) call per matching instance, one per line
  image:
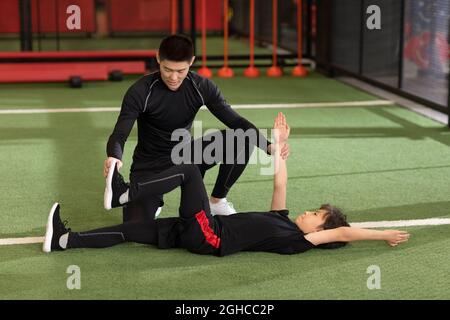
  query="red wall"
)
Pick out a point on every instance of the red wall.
point(154, 15)
point(124, 15)
point(9, 16)
point(44, 15)
point(48, 18)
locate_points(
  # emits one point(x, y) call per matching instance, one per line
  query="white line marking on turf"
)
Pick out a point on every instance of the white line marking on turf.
point(235, 106)
point(369, 103)
point(27, 240)
point(370, 224)
point(68, 110)
point(401, 223)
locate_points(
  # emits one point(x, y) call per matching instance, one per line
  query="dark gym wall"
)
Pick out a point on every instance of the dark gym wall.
point(408, 55)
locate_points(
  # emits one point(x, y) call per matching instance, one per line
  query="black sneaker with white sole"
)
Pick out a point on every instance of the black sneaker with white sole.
point(115, 187)
point(55, 229)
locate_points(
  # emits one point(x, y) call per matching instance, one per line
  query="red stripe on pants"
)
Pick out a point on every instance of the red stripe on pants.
point(209, 234)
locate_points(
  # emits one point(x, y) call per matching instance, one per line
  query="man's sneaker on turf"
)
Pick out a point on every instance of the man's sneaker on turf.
point(222, 208)
point(55, 229)
point(116, 191)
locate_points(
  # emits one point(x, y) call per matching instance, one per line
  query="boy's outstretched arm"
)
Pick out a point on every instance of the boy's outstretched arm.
point(349, 234)
point(281, 134)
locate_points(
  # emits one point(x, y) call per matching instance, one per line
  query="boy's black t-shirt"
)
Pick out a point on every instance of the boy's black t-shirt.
point(260, 231)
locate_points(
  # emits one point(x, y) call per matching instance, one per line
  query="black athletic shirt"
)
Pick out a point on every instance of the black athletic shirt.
point(159, 111)
point(247, 231)
point(261, 231)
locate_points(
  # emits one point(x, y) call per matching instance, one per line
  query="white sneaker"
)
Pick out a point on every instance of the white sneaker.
point(222, 208)
point(158, 212)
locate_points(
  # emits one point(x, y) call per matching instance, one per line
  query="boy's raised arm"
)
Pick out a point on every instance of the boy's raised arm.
point(281, 134)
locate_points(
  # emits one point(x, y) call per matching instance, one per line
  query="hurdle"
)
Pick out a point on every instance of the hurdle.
point(73, 66)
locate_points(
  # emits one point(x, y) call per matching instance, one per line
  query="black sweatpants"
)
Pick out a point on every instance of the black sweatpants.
point(195, 229)
point(231, 168)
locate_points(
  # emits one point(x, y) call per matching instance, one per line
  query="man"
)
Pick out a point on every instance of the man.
point(199, 232)
point(163, 102)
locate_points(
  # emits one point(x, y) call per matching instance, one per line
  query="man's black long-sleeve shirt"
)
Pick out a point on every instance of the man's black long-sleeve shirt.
point(159, 111)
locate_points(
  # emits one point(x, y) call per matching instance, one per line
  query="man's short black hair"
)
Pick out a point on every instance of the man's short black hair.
point(177, 48)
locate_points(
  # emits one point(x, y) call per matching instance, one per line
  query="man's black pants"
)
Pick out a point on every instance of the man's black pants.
point(233, 162)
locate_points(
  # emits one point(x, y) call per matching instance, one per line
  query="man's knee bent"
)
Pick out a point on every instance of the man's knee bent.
point(190, 171)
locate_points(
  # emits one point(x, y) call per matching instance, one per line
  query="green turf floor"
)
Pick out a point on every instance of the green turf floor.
point(376, 163)
point(315, 88)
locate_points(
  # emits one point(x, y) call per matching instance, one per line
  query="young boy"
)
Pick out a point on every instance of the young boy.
point(198, 231)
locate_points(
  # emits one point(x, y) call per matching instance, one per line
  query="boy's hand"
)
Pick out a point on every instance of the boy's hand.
point(395, 237)
point(281, 129)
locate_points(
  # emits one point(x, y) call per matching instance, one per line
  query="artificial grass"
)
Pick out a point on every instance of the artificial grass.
point(417, 270)
point(376, 163)
point(238, 90)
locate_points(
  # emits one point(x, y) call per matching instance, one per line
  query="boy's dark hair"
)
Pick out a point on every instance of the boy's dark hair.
point(177, 48)
point(334, 218)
